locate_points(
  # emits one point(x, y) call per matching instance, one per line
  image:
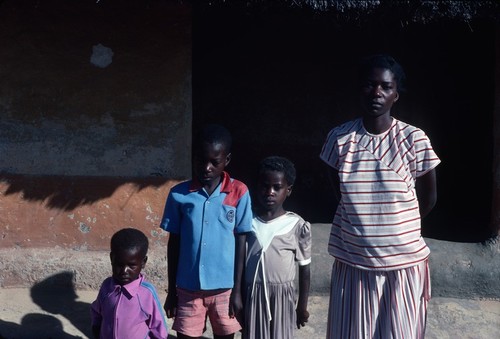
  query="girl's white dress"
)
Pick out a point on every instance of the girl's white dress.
point(274, 248)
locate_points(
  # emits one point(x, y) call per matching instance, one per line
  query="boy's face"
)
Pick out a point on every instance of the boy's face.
point(210, 162)
point(127, 265)
point(273, 189)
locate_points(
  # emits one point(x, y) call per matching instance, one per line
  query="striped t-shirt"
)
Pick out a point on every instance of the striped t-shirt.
point(377, 222)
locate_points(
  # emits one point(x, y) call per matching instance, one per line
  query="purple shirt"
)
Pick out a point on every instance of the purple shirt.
point(129, 311)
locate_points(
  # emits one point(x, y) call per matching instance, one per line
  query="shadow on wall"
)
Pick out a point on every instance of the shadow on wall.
point(55, 295)
point(67, 193)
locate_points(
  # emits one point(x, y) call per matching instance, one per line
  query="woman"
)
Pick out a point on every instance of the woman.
point(380, 278)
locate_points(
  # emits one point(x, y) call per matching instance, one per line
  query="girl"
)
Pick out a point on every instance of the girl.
point(278, 240)
point(380, 278)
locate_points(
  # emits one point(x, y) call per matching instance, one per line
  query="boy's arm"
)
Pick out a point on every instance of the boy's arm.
point(95, 316)
point(236, 305)
point(426, 192)
point(158, 328)
point(172, 262)
point(304, 284)
point(96, 331)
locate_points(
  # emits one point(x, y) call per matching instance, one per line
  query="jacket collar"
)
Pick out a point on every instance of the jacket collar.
point(225, 185)
point(130, 290)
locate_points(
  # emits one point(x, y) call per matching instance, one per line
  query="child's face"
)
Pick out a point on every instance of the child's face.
point(210, 162)
point(272, 190)
point(127, 265)
point(379, 92)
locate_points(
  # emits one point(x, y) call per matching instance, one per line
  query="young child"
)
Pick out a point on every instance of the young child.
point(127, 305)
point(207, 218)
point(279, 239)
point(383, 173)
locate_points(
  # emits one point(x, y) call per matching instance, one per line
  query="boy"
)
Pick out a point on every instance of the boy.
point(127, 305)
point(207, 218)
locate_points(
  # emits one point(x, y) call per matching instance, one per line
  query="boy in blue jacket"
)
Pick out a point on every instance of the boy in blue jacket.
point(207, 219)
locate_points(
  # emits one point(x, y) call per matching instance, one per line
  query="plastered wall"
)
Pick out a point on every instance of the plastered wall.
point(87, 149)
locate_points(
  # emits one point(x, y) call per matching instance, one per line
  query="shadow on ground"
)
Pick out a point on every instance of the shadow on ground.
point(55, 295)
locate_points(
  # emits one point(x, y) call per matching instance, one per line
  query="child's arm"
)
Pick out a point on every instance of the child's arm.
point(172, 262)
point(95, 315)
point(236, 305)
point(304, 284)
point(158, 328)
point(96, 331)
point(426, 192)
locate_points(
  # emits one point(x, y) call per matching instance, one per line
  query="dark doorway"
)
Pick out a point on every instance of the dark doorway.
point(280, 79)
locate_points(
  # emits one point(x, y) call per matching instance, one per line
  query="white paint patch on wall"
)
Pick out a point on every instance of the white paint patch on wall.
point(152, 217)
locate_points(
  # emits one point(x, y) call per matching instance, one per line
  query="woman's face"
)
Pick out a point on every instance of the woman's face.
point(379, 92)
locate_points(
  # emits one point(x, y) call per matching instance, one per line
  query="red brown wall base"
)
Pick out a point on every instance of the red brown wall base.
point(49, 225)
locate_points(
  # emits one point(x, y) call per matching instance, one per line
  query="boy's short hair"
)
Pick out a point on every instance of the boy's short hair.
point(383, 61)
point(214, 134)
point(280, 164)
point(128, 239)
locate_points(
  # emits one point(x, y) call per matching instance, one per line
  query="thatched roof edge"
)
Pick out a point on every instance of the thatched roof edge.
point(408, 11)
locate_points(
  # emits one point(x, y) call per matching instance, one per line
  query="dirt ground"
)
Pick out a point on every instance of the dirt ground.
point(66, 315)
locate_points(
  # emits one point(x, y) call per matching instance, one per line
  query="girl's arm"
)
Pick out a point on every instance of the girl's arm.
point(426, 192)
point(304, 284)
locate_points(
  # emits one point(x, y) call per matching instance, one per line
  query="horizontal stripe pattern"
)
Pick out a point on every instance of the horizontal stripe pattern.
point(377, 223)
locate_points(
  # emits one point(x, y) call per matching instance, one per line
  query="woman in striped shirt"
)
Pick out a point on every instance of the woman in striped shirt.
point(380, 278)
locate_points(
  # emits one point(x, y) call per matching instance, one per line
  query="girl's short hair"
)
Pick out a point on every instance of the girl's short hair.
point(279, 164)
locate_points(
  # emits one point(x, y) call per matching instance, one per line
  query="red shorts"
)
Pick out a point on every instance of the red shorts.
point(194, 307)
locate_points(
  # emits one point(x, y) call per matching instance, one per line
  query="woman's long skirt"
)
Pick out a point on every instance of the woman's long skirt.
point(378, 304)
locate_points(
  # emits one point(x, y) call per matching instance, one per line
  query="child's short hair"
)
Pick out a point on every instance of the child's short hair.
point(383, 61)
point(128, 239)
point(280, 164)
point(214, 134)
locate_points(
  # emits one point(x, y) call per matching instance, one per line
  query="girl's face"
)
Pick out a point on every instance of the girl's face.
point(379, 92)
point(127, 265)
point(272, 191)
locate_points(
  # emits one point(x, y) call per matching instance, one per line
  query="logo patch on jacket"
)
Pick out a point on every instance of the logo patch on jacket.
point(230, 216)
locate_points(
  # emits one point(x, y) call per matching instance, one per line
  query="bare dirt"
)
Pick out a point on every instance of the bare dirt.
point(28, 315)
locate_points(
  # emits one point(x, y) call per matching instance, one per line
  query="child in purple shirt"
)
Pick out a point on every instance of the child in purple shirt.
point(127, 305)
